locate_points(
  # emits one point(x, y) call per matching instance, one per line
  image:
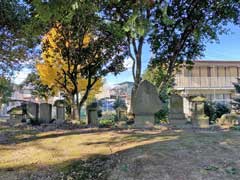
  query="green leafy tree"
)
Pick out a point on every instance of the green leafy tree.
point(103, 53)
point(15, 48)
point(6, 89)
point(176, 30)
point(134, 19)
point(182, 28)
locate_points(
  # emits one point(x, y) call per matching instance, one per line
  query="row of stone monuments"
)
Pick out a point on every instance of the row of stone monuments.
point(146, 103)
point(197, 115)
point(42, 113)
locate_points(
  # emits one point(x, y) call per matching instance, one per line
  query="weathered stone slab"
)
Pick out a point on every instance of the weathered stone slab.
point(92, 115)
point(60, 113)
point(45, 113)
point(176, 113)
point(146, 104)
point(32, 110)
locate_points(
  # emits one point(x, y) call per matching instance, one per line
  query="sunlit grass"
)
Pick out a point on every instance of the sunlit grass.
point(49, 148)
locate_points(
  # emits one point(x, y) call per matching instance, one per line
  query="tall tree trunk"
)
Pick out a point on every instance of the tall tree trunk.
point(137, 69)
point(74, 109)
point(78, 107)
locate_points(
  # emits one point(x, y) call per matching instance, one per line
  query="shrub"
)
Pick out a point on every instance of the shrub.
point(162, 115)
point(215, 110)
point(221, 109)
point(105, 123)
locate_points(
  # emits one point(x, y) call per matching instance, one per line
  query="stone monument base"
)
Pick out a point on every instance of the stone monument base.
point(144, 121)
point(200, 122)
point(177, 119)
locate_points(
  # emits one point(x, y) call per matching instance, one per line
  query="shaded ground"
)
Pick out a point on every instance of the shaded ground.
point(28, 153)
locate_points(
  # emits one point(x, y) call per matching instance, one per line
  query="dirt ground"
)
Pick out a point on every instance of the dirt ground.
point(28, 152)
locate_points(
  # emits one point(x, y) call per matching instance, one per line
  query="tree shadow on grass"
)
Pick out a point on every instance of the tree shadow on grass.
point(12, 135)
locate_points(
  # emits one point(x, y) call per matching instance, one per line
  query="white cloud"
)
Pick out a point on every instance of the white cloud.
point(128, 63)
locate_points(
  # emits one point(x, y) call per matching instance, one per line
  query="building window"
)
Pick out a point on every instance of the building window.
point(209, 71)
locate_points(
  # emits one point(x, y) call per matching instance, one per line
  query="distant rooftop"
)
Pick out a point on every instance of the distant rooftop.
point(126, 82)
point(216, 61)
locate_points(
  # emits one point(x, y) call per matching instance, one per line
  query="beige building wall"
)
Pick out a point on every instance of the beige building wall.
point(212, 79)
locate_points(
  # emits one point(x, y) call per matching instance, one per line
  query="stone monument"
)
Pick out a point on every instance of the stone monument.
point(146, 104)
point(176, 113)
point(45, 113)
point(32, 110)
point(60, 113)
point(199, 119)
point(60, 110)
point(92, 114)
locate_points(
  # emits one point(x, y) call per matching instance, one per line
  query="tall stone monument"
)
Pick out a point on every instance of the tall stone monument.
point(146, 104)
point(32, 110)
point(60, 110)
point(176, 113)
point(92, 115)
point(45, 113)
point(60, 113)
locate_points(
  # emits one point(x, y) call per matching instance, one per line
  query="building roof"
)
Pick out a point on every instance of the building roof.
point(216, 63)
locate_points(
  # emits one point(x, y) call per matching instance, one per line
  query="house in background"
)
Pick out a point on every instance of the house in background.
point(212, 79)
point(109, 95)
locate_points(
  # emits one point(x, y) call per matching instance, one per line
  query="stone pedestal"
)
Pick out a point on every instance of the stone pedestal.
point(144, 121)
point(45, 113)
point(146, 104)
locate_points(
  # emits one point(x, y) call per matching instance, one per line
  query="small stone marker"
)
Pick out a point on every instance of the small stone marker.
point(45, 113)
point(92, 115)
point(176, 114)
point(121, 113)
point(146, 104)
point(199, 119)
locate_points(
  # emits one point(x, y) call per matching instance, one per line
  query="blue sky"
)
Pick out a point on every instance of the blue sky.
point(228, 49)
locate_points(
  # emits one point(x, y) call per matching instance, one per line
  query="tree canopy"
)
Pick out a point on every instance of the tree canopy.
point(180, 29)
point(6, 89)
point(79, 51)
point(14, 46)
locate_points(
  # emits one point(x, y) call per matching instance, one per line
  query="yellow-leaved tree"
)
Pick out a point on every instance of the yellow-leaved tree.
point(54, 70)
point(79, 51)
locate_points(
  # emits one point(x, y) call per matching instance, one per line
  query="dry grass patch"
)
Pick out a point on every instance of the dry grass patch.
point(131, 154)
point(30, 150)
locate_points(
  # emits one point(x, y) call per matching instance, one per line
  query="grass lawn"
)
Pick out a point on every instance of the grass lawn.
point(26, 153)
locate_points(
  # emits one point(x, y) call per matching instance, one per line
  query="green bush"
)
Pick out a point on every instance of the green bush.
point(215, 110)
point(105, 123)
point(236, 127)
point(162, 115)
